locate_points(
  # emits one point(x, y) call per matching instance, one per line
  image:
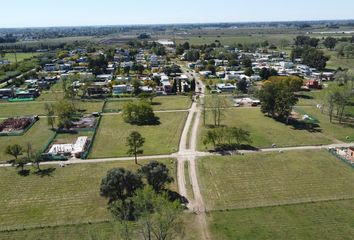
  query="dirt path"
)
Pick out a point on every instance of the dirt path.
point(190, 154)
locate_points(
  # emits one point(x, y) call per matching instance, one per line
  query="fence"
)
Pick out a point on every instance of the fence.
point(334, 153)
point(19, 133)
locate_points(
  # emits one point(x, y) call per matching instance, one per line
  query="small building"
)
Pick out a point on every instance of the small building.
point(50, 67)
point(226, 87)
point(6, 93)
point(121, 89)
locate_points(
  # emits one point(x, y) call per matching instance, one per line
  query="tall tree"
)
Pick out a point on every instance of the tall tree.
point(120, 184)
point(156, 174)
point(135, 142)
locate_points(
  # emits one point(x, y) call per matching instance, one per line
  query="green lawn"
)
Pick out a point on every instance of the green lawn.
point(323, 220)
point(70, 195)
point(334, 130)
point(159, 103)
point(264, 130)
point(269, 179)
point(105, 230)
point(160, 139)
point(37, 108)
point(20, 56)
point(38, 135)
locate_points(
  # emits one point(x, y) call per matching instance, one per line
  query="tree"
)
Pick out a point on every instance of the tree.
point(217, 104)
point(242, 85)
point(136, 87)
point(36, 158)
point(240, 136)
point(265, 73)
point(278, 97)
point(306, 40)
point(227, 137)
point(21, 163)
point(155, 216)
point(120, 184)
point(14, 150)
point(247, 63)
point(314, 58)
point(248, 71)
point(156, 174)
point(330, 43)
point(139, 113)
point(50, 114)
point(147, 96)
point(135, 141)
point(66, 112)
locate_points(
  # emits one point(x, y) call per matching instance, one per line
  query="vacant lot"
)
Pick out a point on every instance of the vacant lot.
point(38, 135)
point(37, 108)
point(265, 131)
point(69, 195)
point(160, 139)
point(323, 220)
point(20, 56)
point(268, 179)
point(333, 130)
point(159, 103)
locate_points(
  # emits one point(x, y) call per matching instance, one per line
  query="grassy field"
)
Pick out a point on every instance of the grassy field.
point(105, 230)
point(38, 135)
point(20, 56)
point(69, 195)
point(271, 179)
point(323, 220)
point(160, 139)
point(227, 39)
point(37, 108)
point(265, 131)
point(334, 130)
point(158, 104)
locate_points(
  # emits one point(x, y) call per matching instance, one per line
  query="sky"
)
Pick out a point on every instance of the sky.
point(44, 13)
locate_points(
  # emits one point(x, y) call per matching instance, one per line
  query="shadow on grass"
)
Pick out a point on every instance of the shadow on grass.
point(24, 173)
point(304, 96)
point(45, 172)
point(173, 196)
point(155, 104)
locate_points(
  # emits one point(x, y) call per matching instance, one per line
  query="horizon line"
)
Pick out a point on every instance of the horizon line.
point(179, 23)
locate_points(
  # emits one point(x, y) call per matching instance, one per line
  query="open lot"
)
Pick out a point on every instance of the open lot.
point(266, 131)
point(38, 135)
point(323, 220)
point(333, 130)
point(69, 195)
point(270, 179)
point(20, 56)
point(158, 104)
point(159, 139)
point(37, 108)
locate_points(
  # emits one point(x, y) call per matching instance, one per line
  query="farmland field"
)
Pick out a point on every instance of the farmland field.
point(160, 139)
point(69, 195)
point(38, 135)
point(269, 179)
point(266, 131)
point(322, 220)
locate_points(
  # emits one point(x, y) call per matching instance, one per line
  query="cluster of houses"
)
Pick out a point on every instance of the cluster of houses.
point(278, 61)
